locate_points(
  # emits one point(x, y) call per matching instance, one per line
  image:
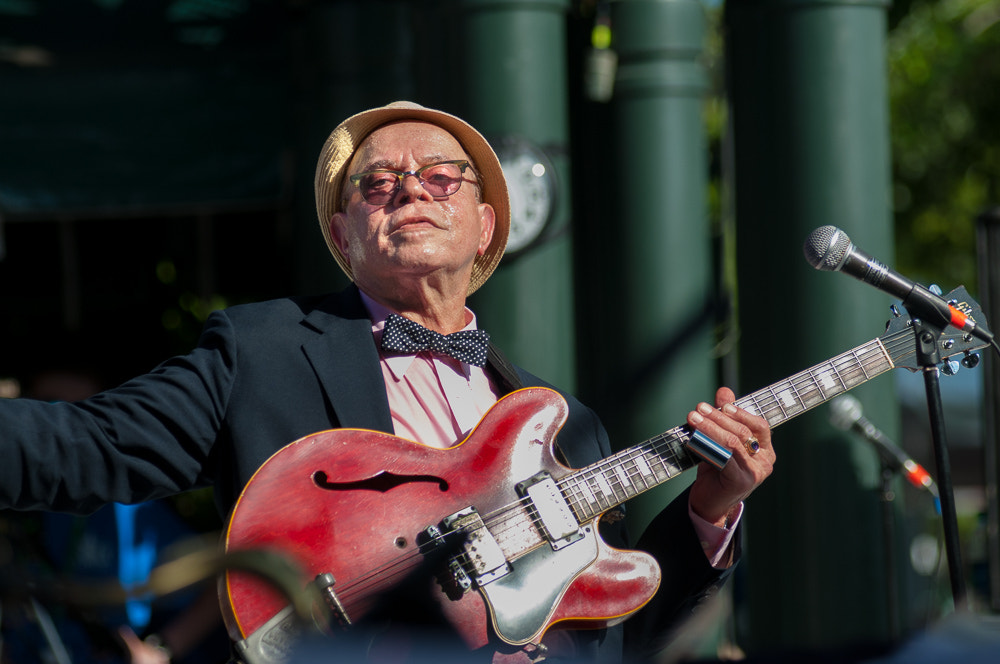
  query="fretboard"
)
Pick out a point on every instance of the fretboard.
point(610, 482)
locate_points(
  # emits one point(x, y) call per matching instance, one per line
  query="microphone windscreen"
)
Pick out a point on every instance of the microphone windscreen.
point(845, 410)
point(826, 247)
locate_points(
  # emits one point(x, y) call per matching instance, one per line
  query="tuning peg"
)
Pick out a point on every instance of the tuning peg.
point(971, 360)
point(934, 288)
point(895, 311)
point(950, 367)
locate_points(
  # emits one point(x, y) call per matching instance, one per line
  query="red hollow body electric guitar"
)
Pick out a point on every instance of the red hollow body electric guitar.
point(360, 511)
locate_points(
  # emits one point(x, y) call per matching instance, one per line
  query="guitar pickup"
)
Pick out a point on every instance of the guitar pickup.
point(483, 561)
point(553, 512)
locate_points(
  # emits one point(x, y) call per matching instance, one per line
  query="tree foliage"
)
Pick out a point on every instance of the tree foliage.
point(944, 87)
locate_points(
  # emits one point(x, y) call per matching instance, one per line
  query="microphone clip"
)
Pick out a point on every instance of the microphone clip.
point(926, 336)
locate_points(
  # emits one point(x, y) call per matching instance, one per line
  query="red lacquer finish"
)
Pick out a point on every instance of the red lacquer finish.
point(353, 502)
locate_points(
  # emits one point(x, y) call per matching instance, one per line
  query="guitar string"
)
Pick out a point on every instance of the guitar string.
point(808, 386)
point(807, 383)
point(670, 451)
point(845, 367)
point(656, 449)
point(382, 576)
point(805, 387)
point(574, 483)
point(600, 490)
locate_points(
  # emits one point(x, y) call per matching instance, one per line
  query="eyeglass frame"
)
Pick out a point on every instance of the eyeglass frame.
point(463, 164)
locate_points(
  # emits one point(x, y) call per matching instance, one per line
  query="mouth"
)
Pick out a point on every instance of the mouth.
point(413, 223)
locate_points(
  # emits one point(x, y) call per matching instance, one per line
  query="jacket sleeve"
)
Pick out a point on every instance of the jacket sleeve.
point(146, 439)
point(687, 580)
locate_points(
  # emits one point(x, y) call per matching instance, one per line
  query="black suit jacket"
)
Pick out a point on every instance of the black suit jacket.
point(262, 376)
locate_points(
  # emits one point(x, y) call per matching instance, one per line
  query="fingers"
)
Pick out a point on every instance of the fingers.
point(139, 651)
point(732, 426)
point(720, 424)
point(715, 492)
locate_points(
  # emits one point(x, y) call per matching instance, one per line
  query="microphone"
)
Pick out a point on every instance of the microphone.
point(846, 414)
point(829, 248)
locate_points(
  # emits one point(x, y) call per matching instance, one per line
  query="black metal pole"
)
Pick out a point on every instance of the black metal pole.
point(988, 247)
point(928, 357)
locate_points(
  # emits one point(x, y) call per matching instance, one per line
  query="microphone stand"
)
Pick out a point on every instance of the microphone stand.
point(928, 359)
point(888, 540)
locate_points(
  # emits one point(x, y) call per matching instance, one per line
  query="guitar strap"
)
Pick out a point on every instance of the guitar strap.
point(506, 376)
point(502, 371)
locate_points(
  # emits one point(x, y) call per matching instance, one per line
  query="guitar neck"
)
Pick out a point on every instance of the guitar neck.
point(597, 488)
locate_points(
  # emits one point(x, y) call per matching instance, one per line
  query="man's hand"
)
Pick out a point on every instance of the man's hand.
point(141, 652)
point(715, 494)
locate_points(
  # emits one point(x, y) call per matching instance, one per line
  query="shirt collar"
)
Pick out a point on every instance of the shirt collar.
point(400, 364)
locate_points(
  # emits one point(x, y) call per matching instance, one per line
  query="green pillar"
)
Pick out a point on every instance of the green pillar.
point(810, 135)
point(327, 88)
point(514, 86)
point(652, 247)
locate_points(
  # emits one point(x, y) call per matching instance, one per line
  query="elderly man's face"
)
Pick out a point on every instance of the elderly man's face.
point(414, 235)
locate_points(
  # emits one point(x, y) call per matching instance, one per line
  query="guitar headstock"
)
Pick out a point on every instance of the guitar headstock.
point(899, 338)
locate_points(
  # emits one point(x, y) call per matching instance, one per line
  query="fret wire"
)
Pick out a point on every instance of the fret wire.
point(853, 372)
point(862, 367)
point(577, 497)
point(796, 397)
point(594, 506)
point(795, 394)
point(850, 370)
point(592, 494)
point(873, 353)
point(637, 469)
point(646, 465)
point(599, 493)
point(844, 368)
point(804, 386)
point(652, 462)
point(588, 495)
point(568, 488)
point(812, 388)
point(844, 372)
point(622, 475)
point(819, 385)
point(777, 402)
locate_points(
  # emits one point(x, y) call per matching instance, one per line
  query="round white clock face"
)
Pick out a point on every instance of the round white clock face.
point(531, 185)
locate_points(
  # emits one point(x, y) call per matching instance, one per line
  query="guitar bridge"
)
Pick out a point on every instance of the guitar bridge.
point(482, 560)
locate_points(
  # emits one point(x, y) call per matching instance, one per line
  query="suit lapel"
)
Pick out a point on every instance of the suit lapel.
point(345, 360)
point(344, 347)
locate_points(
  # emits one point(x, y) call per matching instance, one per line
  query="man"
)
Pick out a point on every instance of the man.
point(413, 206)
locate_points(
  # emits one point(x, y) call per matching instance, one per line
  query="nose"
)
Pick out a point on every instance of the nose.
point(410, 189)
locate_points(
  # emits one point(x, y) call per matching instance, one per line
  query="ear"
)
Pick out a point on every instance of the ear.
point(338, 233)
point(488, 221)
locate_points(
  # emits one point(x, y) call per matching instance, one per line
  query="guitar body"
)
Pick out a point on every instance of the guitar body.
point(357, 504)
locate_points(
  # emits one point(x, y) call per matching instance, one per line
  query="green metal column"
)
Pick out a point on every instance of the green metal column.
point(514, 83)
point(810, 134)
point(655, 242)
point(327, 88)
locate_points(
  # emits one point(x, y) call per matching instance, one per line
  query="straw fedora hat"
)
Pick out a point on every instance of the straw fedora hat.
point(345, 139)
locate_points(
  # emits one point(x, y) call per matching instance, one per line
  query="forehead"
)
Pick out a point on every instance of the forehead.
point(400, 143)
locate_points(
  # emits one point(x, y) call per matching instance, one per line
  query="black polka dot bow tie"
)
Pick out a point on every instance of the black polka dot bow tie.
point(402, 335)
